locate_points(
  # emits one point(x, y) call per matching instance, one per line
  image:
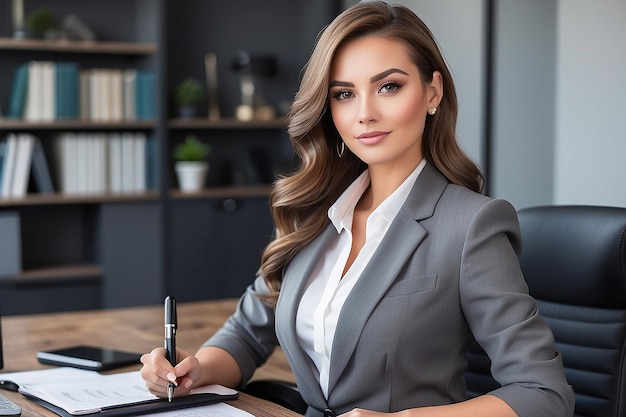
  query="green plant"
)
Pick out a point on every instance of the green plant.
point(40, 21)
point(189, 92)
point(191, 149)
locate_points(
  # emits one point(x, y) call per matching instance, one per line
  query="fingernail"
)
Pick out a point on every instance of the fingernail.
point(188, 384)
point(171, 377)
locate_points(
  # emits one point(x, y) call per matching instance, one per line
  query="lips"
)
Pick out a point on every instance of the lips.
point(372, 138)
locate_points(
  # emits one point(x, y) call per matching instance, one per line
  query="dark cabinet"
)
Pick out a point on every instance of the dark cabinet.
point(215, 246)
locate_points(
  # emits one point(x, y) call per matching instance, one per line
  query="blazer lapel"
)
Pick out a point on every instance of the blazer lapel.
point(296, 275)
point(400, 242)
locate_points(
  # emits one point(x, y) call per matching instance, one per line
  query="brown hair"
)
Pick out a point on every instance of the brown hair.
point(300, 201)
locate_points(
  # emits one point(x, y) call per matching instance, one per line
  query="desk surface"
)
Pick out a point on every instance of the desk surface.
point(138, 329)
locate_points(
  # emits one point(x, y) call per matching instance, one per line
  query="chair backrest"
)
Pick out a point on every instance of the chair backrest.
point(574, 260)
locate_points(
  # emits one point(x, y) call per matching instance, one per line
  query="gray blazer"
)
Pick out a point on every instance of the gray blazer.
point(446, 272)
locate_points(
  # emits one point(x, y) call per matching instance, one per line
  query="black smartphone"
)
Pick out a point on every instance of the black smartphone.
point(88, 357)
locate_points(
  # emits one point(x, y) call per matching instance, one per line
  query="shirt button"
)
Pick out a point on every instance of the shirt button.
point(329, 413)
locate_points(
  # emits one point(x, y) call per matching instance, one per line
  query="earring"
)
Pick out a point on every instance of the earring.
point(432, 111)
point(341, 148)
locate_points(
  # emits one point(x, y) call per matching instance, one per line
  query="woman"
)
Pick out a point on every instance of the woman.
point(388, 261)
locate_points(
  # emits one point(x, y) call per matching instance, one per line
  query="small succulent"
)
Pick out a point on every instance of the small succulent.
point(191, 149)
point(41, 21)
point(189, 92)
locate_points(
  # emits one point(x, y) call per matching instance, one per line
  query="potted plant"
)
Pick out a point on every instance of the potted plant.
point(188, 94)
point(191, 164)
point(42, 23)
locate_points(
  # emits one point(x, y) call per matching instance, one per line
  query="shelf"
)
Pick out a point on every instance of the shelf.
point(227, 123)
point(13, 124)
point(55, 275)
point(87, 47)
point(224, 192)
point(45, 199)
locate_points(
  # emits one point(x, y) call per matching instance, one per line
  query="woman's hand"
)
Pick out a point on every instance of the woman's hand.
point(157, 372)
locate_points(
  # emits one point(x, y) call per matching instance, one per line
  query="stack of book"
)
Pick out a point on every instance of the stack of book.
point(47, 91)
point(83, 164)
point(101, 163)
point(19, 155)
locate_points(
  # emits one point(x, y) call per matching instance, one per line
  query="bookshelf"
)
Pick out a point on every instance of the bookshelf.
point(119, 249)
point(86, 47)
point(227, 123)
point(72, 252)
point(21, 125)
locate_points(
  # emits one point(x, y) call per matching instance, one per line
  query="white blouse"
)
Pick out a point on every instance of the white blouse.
point(326, 290)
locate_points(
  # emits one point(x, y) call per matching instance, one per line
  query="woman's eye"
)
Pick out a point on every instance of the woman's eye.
point(390, 87)
point(342, 95)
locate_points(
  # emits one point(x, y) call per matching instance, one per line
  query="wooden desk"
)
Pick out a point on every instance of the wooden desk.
point(137, 329)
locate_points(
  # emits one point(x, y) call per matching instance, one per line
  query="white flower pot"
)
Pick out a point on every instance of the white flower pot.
point(191, 175)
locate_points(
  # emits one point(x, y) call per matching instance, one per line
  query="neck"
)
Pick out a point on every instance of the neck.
point(384, 181)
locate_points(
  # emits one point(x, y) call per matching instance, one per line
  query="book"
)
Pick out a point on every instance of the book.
point(21, 171)
point(84, 95)
point(72, 74)
point(151, 163)
point(66, 157)
point(40, 170)
point(116, 104)
point(83, 163)
point(3, 148)
point(139, 163)
point(48, 91)
point(100, 163)
point(71, 391)
point(129, 94)
point(66, 90)
point(145, 95)
point(128, 162)
point(8, 166)
point(115, 163)
point(33, 110)
point(19, 92)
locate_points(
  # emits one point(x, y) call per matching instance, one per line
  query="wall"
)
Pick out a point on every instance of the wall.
point(590, 144)
point(522, 146)
point(558, 97)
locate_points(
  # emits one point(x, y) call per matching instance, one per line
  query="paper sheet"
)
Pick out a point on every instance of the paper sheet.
point(47, 375)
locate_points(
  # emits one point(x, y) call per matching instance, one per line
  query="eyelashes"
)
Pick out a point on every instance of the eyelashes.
point(388, 87)
point(342, 95)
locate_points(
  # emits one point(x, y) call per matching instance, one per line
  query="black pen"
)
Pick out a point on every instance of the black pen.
point(170, 338)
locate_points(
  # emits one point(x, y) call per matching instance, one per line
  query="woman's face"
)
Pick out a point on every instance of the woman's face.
point(379, 103)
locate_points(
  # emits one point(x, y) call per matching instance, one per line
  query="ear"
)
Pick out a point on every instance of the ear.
point(434, 90)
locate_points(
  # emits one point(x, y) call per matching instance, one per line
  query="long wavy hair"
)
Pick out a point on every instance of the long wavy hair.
point(300, 201)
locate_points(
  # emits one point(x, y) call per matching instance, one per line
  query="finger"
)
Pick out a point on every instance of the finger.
point(156, 368)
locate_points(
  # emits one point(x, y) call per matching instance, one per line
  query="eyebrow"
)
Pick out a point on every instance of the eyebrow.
point(386, 73)
point(373, 79)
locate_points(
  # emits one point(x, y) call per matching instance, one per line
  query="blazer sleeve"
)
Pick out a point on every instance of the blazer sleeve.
point(248, 334)
point(504, 318)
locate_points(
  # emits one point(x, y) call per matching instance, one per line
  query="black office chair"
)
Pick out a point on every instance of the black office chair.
point(280, 392)
point(574, 260)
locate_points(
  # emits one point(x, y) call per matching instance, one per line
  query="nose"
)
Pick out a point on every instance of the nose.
point(367, 111)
